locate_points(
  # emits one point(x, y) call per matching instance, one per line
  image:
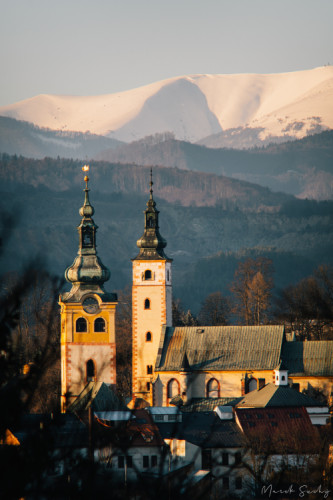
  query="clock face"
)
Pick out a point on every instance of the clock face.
point(90, 305)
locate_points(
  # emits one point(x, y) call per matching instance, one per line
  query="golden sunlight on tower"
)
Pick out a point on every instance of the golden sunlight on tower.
point(88, 348)
point(152, 301)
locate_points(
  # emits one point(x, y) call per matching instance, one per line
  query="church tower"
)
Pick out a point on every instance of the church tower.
point(152, 301)
point(88, 348)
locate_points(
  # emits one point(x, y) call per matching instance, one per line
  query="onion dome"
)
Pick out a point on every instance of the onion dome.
point(87, 268)
point(151, 243)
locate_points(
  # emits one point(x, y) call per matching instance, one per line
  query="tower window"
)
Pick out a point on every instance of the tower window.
point(99, 325)
point(149, 369)
point(168, 275)
point(81, 325)
point(90, 371)
point(148, 386)
point(148, 274)
point(147, 304)
point(150, 222)
point(148, 337)
point(87, 238)
point(213, 388)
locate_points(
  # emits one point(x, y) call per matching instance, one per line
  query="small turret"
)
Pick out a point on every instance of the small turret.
point(281, 375)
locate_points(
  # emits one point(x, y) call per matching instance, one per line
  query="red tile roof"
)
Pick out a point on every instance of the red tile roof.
point(279, 430)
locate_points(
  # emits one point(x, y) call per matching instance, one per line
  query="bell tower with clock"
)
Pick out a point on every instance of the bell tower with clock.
point(88, 347)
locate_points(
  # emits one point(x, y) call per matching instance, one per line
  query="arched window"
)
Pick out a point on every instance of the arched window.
point(90, 371)
point(147, 304)
point(213, 388)
point(252, 385)
point(173, 388)
point(149, 369)
point(81, 325)
point(99, 325)
point(148, 337)
point(148, 274)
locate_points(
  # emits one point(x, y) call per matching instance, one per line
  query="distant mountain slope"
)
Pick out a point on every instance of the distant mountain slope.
point(173, 185)
point(303, 168)
point(26, 139)
point(194, 107)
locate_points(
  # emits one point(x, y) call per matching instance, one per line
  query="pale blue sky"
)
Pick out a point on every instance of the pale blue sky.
point(81, 47)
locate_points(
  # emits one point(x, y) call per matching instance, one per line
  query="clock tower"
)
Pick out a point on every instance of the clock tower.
point(88, 347)
point(151, 302)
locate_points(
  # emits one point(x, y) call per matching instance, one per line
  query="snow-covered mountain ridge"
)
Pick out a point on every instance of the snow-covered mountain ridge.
point(194, 107)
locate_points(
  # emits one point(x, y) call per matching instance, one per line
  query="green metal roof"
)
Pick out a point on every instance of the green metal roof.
point(220, 348)
point(279, 396)
point(311, 358)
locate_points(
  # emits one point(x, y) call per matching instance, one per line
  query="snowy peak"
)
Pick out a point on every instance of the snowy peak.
point(194, 107)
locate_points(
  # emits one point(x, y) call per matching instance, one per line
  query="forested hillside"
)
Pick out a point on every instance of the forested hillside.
point(24, 138)
point(207, 236)
point(303, 168)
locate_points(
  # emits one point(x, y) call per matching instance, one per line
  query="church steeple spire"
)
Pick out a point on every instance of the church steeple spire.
point(151, 243)
point(87, 269)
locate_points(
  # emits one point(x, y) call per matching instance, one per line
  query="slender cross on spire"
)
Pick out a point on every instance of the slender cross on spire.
point(151, 183)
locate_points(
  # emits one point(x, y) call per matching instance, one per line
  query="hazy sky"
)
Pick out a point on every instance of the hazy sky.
point(81, 47)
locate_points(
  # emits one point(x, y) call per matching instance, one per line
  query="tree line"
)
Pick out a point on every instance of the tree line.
point(305, 308)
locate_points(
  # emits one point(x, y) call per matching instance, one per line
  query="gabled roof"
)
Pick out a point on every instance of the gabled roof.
point(220, 348)
point(99, 396)
point(143, 430)
point(276, 395)
point(279, 430)
point(206, 430)
point(311, 358)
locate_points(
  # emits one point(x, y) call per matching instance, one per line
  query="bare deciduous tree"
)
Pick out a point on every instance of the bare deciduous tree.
point(251, 291)
point(215, 310)
point(307, 307)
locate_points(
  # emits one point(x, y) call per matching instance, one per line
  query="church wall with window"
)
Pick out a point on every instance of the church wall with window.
point(198, 384)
